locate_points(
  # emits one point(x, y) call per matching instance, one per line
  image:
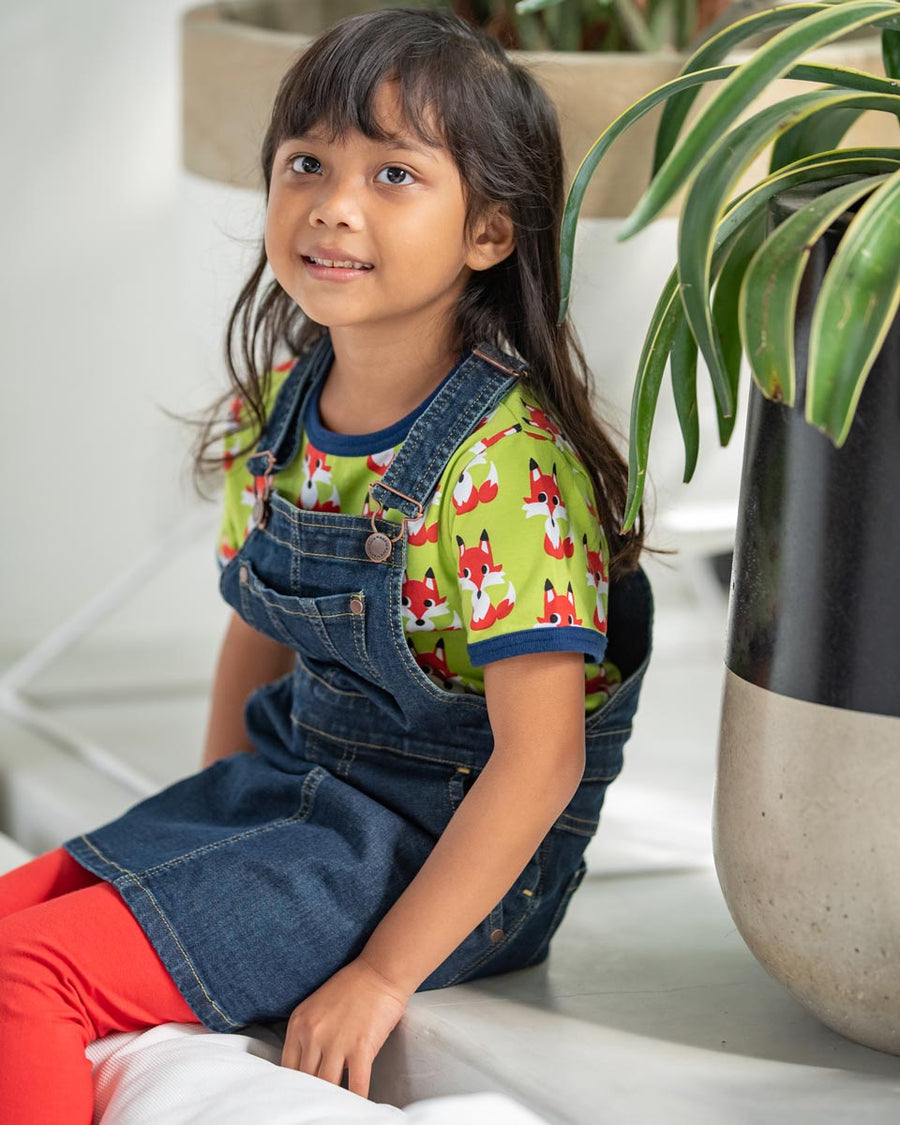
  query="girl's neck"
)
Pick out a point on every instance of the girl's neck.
point(374, 383)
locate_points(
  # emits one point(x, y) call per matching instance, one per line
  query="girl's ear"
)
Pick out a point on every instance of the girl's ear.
point(494, 240)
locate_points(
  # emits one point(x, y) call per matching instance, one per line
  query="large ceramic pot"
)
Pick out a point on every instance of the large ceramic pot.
point(806, 830)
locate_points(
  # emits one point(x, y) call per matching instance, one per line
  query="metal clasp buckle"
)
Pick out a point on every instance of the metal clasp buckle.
point(379, 545)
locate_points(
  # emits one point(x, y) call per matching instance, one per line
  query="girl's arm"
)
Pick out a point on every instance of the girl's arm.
point(536, 708)
point(247, 660)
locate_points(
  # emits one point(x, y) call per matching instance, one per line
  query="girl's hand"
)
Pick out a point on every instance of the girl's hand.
point(343, 1025)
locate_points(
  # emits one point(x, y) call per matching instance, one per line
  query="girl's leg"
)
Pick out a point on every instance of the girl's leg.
point(72, 969)
point(48, 876)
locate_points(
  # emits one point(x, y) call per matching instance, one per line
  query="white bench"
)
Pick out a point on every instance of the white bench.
point(650, 1008)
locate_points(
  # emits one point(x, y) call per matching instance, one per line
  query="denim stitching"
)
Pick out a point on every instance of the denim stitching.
point(359, 639)
point(328, 736)
point(571, 887)
point(444, 449)
point(510, 934)
point(306, 803)
point(489, 390)
point(131, 876)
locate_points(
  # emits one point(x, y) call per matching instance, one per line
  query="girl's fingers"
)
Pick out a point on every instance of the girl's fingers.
point(331, 1068)
point(359, 1075)
point(310, 1060)
point(290, 1052)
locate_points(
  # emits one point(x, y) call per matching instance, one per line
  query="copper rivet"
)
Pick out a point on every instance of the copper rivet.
point(356, 605)
point(497, 935)
point(244, 573)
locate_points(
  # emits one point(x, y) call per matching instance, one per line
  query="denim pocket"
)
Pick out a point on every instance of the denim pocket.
point(331, 628)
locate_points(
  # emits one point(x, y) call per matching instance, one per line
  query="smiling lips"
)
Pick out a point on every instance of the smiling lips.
point(333, 258)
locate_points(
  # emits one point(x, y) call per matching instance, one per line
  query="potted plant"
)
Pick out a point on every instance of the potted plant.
point(800, 272)
point(593, 58)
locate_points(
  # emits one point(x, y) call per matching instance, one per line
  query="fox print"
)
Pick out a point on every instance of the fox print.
point(477, 572)
point(466, 494)
point(434, 665)
point(421, 603)
point(545, 500)
point(599, 579)
point(316, 471)
point(559, 609)
point(380, 462)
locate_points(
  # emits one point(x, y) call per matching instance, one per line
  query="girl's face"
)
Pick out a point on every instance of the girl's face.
point(397, 208)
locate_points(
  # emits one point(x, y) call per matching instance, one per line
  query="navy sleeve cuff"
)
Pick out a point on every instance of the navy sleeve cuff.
point(560, 638)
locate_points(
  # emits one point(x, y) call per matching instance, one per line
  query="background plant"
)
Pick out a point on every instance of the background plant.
point(594, 25)
point(734, 288)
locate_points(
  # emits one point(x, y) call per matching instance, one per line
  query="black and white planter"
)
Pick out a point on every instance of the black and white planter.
point(807, 807)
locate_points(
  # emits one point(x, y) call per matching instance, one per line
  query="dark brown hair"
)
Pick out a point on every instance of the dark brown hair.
point(502, 131)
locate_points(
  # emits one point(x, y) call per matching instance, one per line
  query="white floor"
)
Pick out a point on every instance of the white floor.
point(650, 1008)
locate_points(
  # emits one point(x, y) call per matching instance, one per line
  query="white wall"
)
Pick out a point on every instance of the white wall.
point(118, 273)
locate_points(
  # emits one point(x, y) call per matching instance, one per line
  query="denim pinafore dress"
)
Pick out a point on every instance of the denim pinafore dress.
point(259, 877)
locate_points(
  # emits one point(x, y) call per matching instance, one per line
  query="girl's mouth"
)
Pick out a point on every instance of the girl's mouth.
point(333, 264)
point(334, 270)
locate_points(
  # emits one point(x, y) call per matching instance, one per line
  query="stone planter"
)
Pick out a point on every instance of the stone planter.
point(234, 54)
point(806, 829)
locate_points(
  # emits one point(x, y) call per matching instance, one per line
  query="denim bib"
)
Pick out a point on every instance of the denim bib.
point(259, 877)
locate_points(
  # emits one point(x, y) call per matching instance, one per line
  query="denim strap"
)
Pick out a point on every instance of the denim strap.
point(283, 433)
point(479, 384)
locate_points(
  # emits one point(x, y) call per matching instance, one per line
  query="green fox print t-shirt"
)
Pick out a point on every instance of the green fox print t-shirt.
point(509, 558)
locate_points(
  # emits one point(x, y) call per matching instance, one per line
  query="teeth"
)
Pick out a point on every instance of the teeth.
point(340, 265)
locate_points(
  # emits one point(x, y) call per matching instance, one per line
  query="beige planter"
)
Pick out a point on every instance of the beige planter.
point(234, 55)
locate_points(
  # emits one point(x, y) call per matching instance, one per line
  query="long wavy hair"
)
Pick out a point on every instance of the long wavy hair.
point(502, 130)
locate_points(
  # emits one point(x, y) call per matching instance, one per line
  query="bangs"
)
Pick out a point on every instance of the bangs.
point(333, 87)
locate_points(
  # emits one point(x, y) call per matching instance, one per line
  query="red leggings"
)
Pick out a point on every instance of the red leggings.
point(74, 966)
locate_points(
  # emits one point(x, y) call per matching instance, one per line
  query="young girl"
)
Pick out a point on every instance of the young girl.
point(415, 714)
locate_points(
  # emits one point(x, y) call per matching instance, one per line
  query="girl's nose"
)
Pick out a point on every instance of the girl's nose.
point(336, 204)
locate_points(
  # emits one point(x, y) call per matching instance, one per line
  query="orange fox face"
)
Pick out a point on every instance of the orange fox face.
point(544, 498)
point(422, 603)
point(539, 419)
point(477, 568)
point(434, 665)
point(598, 578)
point(316, 471)
point(477, 572)
point(559, 609)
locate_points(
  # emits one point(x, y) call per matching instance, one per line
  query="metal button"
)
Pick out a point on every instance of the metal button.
point(497, 935)
point(378, 547)
point(356, 604)
point(244, 573)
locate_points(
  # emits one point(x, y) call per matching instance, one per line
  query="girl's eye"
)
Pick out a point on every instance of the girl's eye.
point(302, 164)
point(395, 176)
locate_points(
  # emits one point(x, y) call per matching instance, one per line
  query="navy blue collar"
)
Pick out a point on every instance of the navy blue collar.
point(361, 445)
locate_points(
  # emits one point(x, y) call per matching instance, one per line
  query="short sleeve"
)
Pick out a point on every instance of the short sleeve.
point(531, 557)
